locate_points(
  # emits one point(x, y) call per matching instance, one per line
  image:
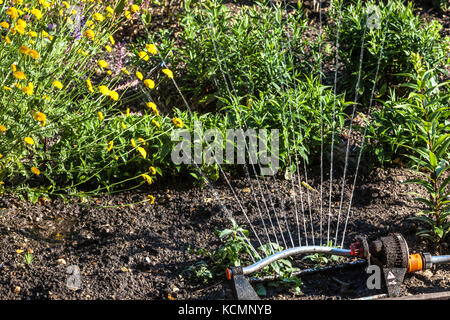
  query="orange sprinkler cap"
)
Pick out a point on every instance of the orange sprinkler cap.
point(228, 273)
point(415, 262)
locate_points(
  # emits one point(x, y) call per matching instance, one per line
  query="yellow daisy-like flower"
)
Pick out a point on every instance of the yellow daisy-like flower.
point(110, 146)
point(29, 141)
point(177, 122)
point(98, 16)
point(29, 89)
point(147, 178)
point(142, 152)
point(89, 85)
point(13, 67)
point(37, 13)
point(149, 83)
point(143, 55)
point(110, 10)
point(152, 106)
point(100, 115)
point(4, 25)
point(156, 123)
point(103, 64)
point(128, 112)
point(123, 125)
point(22, 23)
point(114, 95)
point(19, 75)
point(13, 13)
point(168, 73)
point(32, 34)
point(135, 8)
point(36, 171)
point(151, 48)
point(89, 34)
point(104, 90)
point(41, 117)
point(111, 40)
point(125, 71)
point(152, 170)
point(133, 143)
point(24, 49)
point(2, 128)
point(151, 199)
point(139, 75)
point(127, 14)
point(108, 48)
point(57, 84)
point(142, 141)
point(34, 54)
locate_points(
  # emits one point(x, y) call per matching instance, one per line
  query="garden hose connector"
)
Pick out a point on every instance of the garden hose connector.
point(415, 262)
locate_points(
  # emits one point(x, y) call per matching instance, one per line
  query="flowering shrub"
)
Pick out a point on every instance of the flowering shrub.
point(63, 122)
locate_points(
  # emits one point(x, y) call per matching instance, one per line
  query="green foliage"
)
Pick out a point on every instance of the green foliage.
point(402, 32)
point(432, 155)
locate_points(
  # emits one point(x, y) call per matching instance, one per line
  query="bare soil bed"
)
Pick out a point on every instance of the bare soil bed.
point(139, 252)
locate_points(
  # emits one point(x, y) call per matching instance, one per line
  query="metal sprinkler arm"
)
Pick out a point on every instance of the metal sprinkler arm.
point(291, 252)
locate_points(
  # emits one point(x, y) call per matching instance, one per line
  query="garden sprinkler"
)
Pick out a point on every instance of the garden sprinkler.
point(390, 253)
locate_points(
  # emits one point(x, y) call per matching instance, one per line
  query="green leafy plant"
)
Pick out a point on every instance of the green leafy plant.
point(432, 157)
point(28, 258)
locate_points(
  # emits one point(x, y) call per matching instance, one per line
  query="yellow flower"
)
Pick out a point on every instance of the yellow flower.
point(22, 23)
point(103, 64)
point(149, 83)
point(111, 40)
point(168, 73)
point(8, 40)
point(41, 117)
point(2, 128)
point(24, 49)
point(110, 146)
point(29, 89)
point(143, 55)
point(142, 152)
point(127, 14)
point(36, 171)
point(89, 34)
point(177, 122)
point(128, 112)
point(123, 125)
point(104, 90)
point(108, 48)
point(133, 143)
point(19, 75)
point(13, 67)
point(100, 115)
point(147, 178)
point(156, 123)
point(29, 141)
point(135, 8)
point(4, 24)
point(6, 88)
point(139, 75)
point(110, 10)
point(152, 49)
point(152, 170)
point(34, 54)
point(152, 106)
point(37, 13)
point(142, 141)
point(19, 29)
point(13, 13)
point(57, 84)
point(151, 199)
point(98, 16)
point(66, 4)
point(125, 71)
point(32, 34)
point(114, 95)
point(89, 85)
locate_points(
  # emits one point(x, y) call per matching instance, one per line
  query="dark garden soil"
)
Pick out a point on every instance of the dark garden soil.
point(141, 251)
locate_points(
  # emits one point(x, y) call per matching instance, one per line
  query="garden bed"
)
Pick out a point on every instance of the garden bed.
point(140, 252)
